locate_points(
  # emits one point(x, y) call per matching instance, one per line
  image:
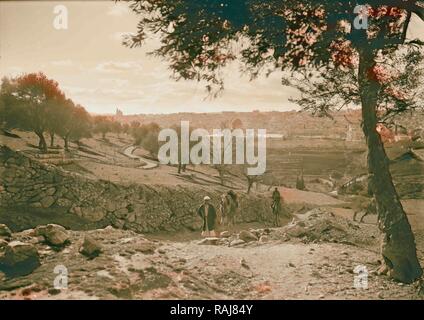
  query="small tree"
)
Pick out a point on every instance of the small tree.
point(147, 137)
point(31, 99)
point(103, 125)
point(76, 123)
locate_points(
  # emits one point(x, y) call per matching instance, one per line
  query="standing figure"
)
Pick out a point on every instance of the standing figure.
point(208, 214)
point(276, 206)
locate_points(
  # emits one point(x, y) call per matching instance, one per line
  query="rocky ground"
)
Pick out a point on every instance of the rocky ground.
point(312, 257)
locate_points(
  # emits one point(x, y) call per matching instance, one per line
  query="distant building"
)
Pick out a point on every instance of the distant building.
point(119, 113)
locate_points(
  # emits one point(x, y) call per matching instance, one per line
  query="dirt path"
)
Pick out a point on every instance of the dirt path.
point(147, 164)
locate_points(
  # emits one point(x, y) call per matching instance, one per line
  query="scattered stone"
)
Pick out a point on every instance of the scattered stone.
point(53, 291)
point(152, 279)
point(120, 290)
point(47, 202)
point(209, 241)
point(244, 264)
point(247, 236)
point(296, 231)
point(19, 259)
point(146, 247)
point(382, 270)
point(5, 231)
point(3, 243)
point(225, 234)
point(263, 239)
point(236, 242)
point(90, 247)
point(54, 235)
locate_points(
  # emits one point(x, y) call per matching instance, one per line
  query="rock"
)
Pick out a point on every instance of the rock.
point(256, 232)
point(225, 234)
point(209, 241)
point(53, 291)
point(146, 247)
point(92, 214)
point(296, 231)
point(63, 202)
point(90, 247)
point(3, 243)
point(35, 205)
point(53, 234)
point(19, 259)
point(263, 239)
point(47, 202)
point(244, 264)
point(5, 231)
point(247, 236)
point(236, 242)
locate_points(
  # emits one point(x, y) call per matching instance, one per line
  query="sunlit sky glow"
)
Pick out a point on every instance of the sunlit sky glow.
point(95, 70)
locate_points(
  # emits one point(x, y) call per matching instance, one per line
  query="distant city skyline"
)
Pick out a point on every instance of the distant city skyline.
point(95, 70)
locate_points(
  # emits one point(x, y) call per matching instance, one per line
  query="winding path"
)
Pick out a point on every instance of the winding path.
point(148, 164)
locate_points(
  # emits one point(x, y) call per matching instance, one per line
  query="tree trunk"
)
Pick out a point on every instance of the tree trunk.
point(398, 243)
point(42, 145)
point(51, 139)
point(66, 141)
point(249, 185)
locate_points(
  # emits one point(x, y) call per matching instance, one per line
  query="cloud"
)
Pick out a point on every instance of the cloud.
point(13, 71)
point(118, 10)
point(62, 63)
point(119, 66)
point(120, 83)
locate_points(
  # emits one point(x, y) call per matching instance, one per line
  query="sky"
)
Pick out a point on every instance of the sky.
point(95, 70)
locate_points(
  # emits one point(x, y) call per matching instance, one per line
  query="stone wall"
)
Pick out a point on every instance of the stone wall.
point(28, 183)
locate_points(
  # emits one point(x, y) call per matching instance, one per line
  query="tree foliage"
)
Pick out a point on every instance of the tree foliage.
point(33, 102)
point(146, 135)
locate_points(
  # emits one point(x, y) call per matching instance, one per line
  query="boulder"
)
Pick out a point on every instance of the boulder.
point(236, 242)
point(19, 259)
point(296, 231)
point(146, 247)
point(90, 247)
point(225, 234)
point(264, 239)
point(47, 202)
point(209, 241)
point(3, 243)
point(5, 231)
point(247, 236)
point(53, 234)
